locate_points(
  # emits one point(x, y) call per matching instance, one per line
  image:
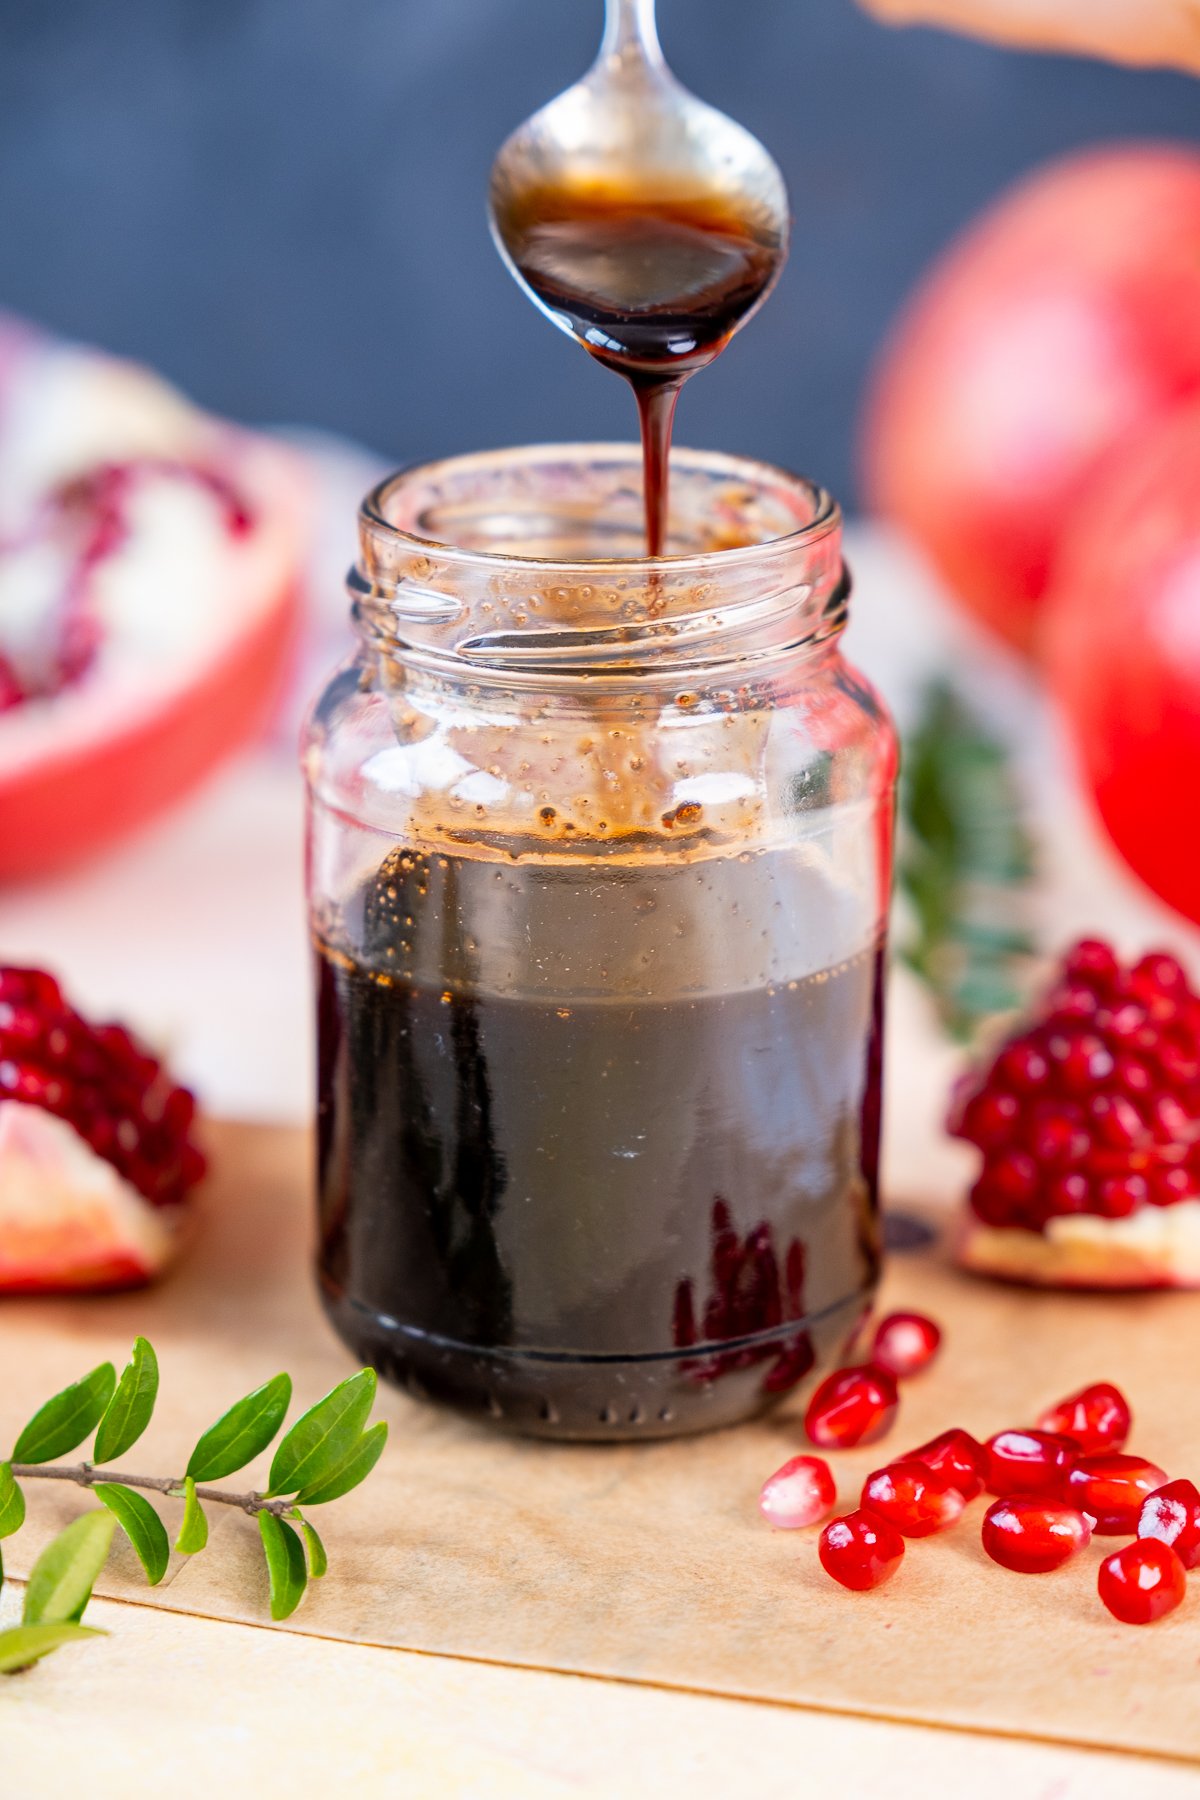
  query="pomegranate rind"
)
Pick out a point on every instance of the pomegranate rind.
point(68, 1222)
point(1156, 1247)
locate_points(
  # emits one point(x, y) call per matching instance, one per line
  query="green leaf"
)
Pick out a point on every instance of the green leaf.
point(64, 1422)
point(25, 1644)
point(128, 1412)
point(355, 1466)
point(240, 1434)
point(286, 1569)
point(141, 1525)
point(12, 1503)
point(193, 1532)
point(62, 1578)
point(318, 1562)
point(320, 1438)
point(965, 862)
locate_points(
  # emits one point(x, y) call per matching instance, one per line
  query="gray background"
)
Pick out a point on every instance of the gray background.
point(280, 202)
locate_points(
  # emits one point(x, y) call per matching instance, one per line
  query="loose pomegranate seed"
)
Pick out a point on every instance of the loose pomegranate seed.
point(860, 1550)
point(1172, 1514)
point(910, 1496)
point(1029, 1462)
point(1112, 1487)
point(1097, 1417)
point(851, 1406)
point(989, 1120)
point(957, 1458)
point(1032, 1535)
point(905, 1343)
point(1142, 1582)
point(801, 1493)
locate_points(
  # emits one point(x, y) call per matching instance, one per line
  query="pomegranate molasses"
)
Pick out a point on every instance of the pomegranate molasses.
point(653, 286)
point(524, 1201)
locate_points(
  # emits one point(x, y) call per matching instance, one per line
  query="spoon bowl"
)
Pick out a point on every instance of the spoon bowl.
point(630, 142)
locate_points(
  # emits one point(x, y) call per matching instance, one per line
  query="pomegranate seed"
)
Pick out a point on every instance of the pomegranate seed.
point(1097, 1417)
point(1022, 1066)
point(1093, 961)
point(1033, 1535)
point(1142, 1582)
point(989, 1119)
point(1068, 1194)
point(851, 1406)
point(957, 1458)
point(910, 1496)
point(1169, 1186)
point(801, 1493)
point(1082, 1059)
point(1159, 972)
point(905, 1343)
point(1120, 1195)
point(1172, 1514)
point(1029, 1462)
point(860, 1550)
point(1111, 1487)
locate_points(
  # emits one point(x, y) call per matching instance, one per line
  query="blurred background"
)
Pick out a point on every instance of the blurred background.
point(279, 203)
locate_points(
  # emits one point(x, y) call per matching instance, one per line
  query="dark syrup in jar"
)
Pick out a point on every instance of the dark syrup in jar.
point(588, 1216)
point(654, 287)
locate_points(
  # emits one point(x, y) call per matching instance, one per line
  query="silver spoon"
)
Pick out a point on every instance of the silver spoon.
point(631, 119)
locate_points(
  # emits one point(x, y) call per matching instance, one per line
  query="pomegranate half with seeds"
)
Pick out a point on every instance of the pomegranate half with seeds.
point(1088, 1121)
point(149, 578)
point(97, 1157)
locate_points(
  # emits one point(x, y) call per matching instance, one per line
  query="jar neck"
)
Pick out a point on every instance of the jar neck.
point(526, 564)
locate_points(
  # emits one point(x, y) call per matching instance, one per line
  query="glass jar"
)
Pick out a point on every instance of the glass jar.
point(599, 867)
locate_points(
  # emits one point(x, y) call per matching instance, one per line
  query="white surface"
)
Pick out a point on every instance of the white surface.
point(195, 932)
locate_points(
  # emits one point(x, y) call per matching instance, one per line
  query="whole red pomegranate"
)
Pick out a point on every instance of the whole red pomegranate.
point(1065, 319)
point(1123, 651)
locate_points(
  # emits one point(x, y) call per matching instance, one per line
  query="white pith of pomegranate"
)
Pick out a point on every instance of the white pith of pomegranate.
point(96, 1150)
point(1088, 1121)
point(149, 574)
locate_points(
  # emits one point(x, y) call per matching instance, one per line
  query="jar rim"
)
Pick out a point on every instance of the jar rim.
point(825, 513)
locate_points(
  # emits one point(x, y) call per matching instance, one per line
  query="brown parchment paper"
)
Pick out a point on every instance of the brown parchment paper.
point(647, 1563)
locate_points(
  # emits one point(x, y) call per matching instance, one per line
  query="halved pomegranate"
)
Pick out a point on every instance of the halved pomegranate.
point(97, 1157)
point(149, 578)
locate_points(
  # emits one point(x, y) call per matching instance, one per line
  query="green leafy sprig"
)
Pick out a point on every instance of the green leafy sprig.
point(965, 864)
point(326, 1453)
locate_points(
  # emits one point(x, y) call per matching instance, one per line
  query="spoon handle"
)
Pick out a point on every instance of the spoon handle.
point(630, 32)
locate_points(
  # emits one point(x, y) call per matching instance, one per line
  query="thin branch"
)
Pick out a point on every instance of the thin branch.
point(88, 1475)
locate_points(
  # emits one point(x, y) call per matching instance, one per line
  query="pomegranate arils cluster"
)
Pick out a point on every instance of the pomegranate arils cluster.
point(1095, 1106)
point(101, 1081)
